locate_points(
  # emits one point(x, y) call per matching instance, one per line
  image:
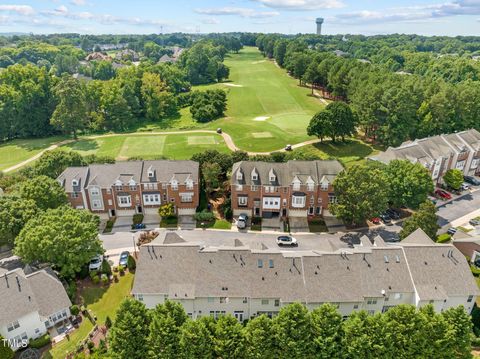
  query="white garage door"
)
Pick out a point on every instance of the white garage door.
point(125, 213)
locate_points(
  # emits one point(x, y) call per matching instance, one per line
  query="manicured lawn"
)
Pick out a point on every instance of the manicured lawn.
point(17, 151)
point(348, 153)
point(317, 225)
point(217, 224)
point(103, 302)
point(174, 146)
point(264, 99)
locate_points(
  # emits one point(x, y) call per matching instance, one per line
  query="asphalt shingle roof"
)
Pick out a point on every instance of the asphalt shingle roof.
point(285, 172)
point(188, 269)
point(40, 291)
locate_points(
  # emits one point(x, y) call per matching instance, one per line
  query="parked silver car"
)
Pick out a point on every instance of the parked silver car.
point(242, 221)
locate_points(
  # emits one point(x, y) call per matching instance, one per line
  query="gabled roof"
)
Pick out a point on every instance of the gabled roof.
point(21, 294)
point(285, 172)
point(429, 149)
point(334, 274)
point(126, 172)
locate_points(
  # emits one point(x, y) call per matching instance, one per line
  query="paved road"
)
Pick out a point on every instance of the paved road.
point(458, 208)
point(123, 240)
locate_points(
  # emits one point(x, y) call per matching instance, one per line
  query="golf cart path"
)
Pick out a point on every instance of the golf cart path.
point(226, 137)
point(37, 156)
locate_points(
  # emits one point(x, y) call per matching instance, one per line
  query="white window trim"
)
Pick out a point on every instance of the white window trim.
point(124, 201)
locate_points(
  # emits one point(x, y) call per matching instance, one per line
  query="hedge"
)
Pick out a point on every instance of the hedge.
point(40, 342)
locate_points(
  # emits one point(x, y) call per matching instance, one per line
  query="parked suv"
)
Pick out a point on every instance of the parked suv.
point(287, 241)
point(242, 221)
point(472, 180)
point(95, 263)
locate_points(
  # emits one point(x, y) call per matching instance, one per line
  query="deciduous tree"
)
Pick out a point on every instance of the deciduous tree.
point(409, 183)
point(65, 237)
point(44, 191)
point(14, 214)
point(453, 178)
point(71, 113)
point(362, 193)
point(129, 334)
point(425, 218)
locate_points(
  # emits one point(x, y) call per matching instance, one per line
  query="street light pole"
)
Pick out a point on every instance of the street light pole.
point(134, 247)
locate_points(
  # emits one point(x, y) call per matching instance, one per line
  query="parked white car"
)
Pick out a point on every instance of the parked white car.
point(242, 221)
point(287, 241)
point(95, 263)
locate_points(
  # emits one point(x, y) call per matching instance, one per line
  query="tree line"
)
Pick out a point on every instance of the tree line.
point(35, 102)
point(391, 107)
point(401, 332)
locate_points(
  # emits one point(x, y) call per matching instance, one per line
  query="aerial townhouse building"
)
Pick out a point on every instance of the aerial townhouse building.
point(249, 280)
point(438, 154)
point(31, 305)
point(291, 189)
point(126, 188)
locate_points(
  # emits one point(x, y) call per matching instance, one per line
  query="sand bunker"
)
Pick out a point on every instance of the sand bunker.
point(232, 85)
point(258, 62)
point(261, 118)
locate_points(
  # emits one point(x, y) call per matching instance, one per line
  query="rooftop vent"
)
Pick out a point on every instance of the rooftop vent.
point(385, 258)
point(18, 283)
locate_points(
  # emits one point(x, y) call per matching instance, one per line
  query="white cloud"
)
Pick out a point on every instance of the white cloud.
point(417, 13)
point(302, 5)
point(78, 2)
point(210, 21)
point(19, 9)
point(238, 11)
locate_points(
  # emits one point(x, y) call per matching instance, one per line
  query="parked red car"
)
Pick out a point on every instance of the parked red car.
point(443, 194)
point(375, 220)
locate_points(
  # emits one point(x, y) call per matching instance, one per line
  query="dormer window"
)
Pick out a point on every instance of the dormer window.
point(189, 184)
point(239, 175)
point(272, 176)
point(254, 175)
point(151, 173)
point(74, 183)
point(296, 184)
point(174, 184)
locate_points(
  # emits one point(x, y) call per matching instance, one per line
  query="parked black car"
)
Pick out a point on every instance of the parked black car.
point(472, 180)
point(386, 218)
point(393, 213)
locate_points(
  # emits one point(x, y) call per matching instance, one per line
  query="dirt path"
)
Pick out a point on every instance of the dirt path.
point(226, 137)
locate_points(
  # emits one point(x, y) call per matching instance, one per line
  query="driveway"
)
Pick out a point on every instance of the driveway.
point(122, 224)
point(187, 222)
point(458, 208)
point(151, 221)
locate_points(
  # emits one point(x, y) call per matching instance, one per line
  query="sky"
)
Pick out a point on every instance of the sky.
point(369, 17)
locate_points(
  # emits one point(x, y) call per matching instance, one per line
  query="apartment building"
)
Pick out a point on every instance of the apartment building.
point(30, 305)
point(291, 189)
point(438, 154)
point(126, 188)
point(247, 281)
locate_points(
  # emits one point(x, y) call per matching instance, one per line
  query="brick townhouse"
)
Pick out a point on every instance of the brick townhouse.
point(438, 154)
point(291, 189)
point(126, 188)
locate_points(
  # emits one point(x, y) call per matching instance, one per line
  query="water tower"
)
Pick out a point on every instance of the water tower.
point(319, 22)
